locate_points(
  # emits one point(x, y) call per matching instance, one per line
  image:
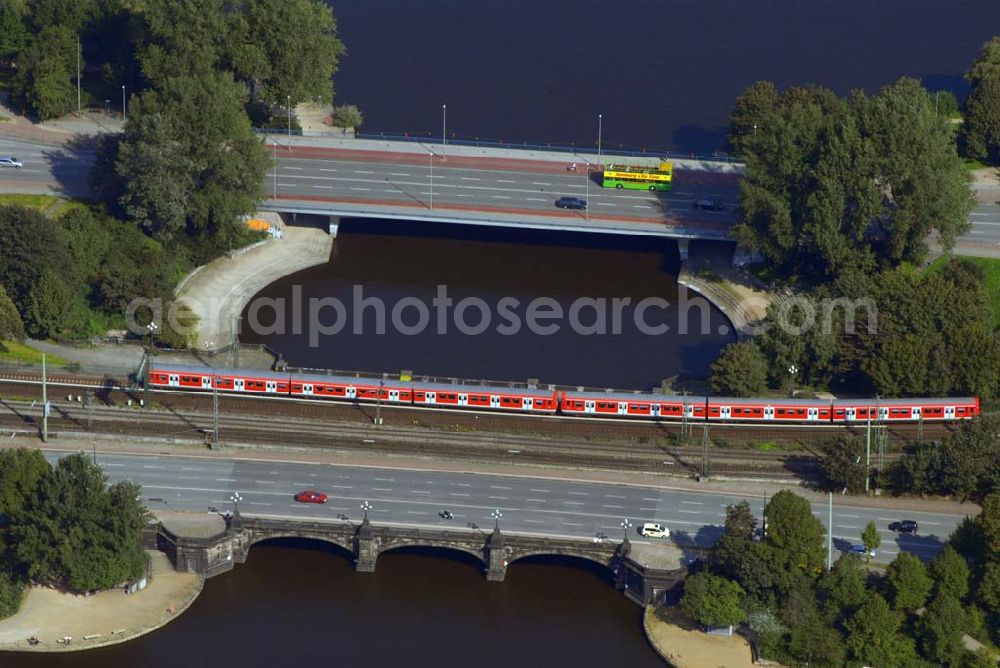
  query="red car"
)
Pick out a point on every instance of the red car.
point(310, 496)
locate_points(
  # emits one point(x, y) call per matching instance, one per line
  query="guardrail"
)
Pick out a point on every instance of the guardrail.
point(481, 142)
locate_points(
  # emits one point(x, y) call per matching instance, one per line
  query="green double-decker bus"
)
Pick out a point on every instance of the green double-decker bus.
point(634, 177)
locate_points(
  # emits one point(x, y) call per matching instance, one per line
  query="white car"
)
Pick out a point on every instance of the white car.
point(10, 161)
point(653, 530)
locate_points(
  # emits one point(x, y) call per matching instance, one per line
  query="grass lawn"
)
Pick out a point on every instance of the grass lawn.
point(22, 354)
point(991, 273)
point(33, 201)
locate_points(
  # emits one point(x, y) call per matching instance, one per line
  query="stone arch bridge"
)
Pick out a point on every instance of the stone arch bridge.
point(496, 550)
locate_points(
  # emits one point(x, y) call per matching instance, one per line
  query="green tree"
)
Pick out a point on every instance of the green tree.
point(988, 591)
point(21, 470)
point(13, 31)
point(795, 533)
point(734, 545)
point(814, 643)
point(919, 471)
point(972, 458)
point(189, 161)
point(348, 116)
point(291, 49)
point(940, 631)
point(844, 586)
point(873, 636)
point(950, 574)
point(76, 532)
point(11, 326)
point(981, 130)
point(51, 308)
point(833, 186)
point(871, 538)
point(11, 594)
point(907, 582)
point(45, 69)
point(843, 464)
point(712, 600)
point(740, 371)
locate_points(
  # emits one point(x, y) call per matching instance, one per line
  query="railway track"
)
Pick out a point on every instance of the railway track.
point(188, 425)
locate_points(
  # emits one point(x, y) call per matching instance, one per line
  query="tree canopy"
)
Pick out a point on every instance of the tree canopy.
point(907, 582)
point(712, 601)
point(981, 130)
point(795, 533)
point(836, 185)
point(76, 532)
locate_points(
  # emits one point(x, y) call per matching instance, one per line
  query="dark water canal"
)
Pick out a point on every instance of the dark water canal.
point(298, 603)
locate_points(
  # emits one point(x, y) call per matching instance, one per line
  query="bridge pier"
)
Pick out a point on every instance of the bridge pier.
point(683, 246)
point(334, 225)
point(365, 549)
point(496, 557)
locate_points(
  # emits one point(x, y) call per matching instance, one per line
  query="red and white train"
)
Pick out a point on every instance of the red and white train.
point(498, 398)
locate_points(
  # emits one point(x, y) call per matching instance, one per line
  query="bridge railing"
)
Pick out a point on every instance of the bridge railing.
point(609, 149)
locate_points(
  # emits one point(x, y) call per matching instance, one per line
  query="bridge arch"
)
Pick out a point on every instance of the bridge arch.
point(435, 547)
point(602, 561)
point(319, 538)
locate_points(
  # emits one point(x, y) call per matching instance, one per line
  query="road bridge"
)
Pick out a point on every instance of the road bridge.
point(639, 574)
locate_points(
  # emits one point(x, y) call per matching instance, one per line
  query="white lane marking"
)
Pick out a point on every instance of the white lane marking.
point(361, 189)
point(223, 480)
point(690, 512)
point(381, 489)
point(106, 465)
point(456, 494)
point(499, 487)
point(469, 178)
point(538, 490)
point(535, 199)
point(148, 466)
point(615, 496)
point(537, 500)
point(419, 491)
point(385, 479)
point(573, 503)
point(534, 521)
point(192, 468)
point(571, 524)
point(258, 503)
point(463, 484)
point(505, 181)
point(360, 171)
point(397, 174)
point(324, 187)
point(845, 526)
point(646, 498)
point(265, 482)
point(693, 503)
point(499, 197)
point(501, 498)
point(578, 493)
point(342, 486)
point(853, 517)
point(415, 512)
point(287, 167)
point(539, 183)
point(327, 170)
point(610, 506)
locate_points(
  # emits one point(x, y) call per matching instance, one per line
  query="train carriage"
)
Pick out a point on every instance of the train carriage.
point(485, 397)
point(227, 380)
point(896, 410)
point(636, 405)
point(350, 388)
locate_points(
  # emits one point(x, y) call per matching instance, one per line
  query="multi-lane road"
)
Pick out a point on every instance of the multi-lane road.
point(550, 506)
point(433, 186)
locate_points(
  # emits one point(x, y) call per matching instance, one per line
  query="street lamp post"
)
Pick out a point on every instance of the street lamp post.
point(123, 103)
point(444, 124)
point(431, 156)
point(236, 498)
point(496, 515)
point(625, 524)
point(378, 404)
point(151, 328)
point(600, 119)
point(275, 168)
point(288, 100)
point(793, 370)
point(365, 506)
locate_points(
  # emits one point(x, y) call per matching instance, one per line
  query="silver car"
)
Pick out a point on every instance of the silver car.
point(10, 161)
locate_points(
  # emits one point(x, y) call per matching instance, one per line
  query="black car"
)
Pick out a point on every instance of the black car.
point(571, 203)
point(709, 204)
point(904, 526)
